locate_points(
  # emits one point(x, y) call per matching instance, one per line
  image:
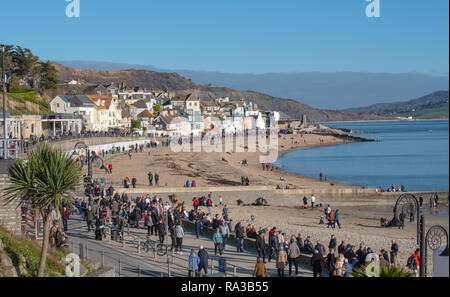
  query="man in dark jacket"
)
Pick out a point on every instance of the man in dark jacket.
point(331, 263)
point(342, 248)
point(137, 216)
point(161, 231)
point(240, 235)
point(361, 255)
point(309, 249)
point(394, 252)
point(273, 244)
point(90, 216)
point(155, 221)
point(260, 246)
point(204, 258)
point(333, 243)
point(316, 262)
point(320, 248)
point(198, 227)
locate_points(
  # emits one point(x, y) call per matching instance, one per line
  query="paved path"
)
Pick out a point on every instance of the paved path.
point(150, 267)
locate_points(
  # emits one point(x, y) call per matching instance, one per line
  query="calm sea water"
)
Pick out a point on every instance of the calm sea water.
point(415, 154)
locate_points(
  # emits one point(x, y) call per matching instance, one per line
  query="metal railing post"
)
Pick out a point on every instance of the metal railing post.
point(120, 268)
point(173, 256)
point(168, 269)
point(139, 246)
point(154, 251)
point(139, 270)
point(234, 271)
point(103, 259)
point(81, 251)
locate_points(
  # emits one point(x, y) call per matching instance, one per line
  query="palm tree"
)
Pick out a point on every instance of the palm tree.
point(390, 271)
point(47, 181)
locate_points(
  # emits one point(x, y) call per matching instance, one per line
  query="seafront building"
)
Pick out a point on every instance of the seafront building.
point(164, 113)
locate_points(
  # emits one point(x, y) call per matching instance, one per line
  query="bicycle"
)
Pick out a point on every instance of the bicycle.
point(161, 248)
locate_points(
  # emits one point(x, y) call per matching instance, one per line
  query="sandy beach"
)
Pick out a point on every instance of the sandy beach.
point(216, 169)
point(360, 214)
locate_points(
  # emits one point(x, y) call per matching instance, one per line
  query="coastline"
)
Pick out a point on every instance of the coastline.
point(379, 121)
point(175, 168)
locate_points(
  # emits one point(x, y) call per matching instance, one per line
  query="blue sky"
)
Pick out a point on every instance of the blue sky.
point(237, 36)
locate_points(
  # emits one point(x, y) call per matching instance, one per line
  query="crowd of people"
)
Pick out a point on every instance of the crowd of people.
point(272, 244)
point(164, 219)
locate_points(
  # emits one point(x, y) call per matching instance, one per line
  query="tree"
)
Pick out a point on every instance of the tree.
point(157, 108)
point(46, 180)
point(391, 271)
point(24, 61)
point(135, 124)
point(48, 76)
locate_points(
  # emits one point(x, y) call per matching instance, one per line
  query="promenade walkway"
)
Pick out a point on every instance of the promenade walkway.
point(134, 263)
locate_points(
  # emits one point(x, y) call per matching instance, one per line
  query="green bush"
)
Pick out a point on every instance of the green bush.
point(135, 124)
point(15, 247)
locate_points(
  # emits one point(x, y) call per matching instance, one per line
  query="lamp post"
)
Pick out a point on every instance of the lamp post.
point(437, 236)
point(4, 103)
point(406, 206)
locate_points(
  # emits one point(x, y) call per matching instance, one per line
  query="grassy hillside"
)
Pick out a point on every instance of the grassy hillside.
point(431, 113)
point(175, 82)
point(26, 253)
point(432, 106)
point(26, 101)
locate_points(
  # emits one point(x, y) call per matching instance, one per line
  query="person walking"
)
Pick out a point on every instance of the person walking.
point(150, 179)
point(260, 268)
point(133, 182)
point(148, 222)
point(217, 239)
point(281, 261)
point(313, 200)
point(65, 218)
point(194, 261)
point(209, 205)
point(90, 216)
point(204, 259)
point(198, 227)
point(340, 269)
point(333, 243)
point(414, 262)
point(336, 218)
point(240, 235)
point(394, 253)
point(261, 246)
point(316, 262)
point(225, 231)
point(293, 255)
point(179, 234)
point(331, 263)
point(274, 245)
point(161, 227)
point(156, 179)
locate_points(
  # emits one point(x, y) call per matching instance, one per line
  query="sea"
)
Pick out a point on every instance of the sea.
point(410, 153)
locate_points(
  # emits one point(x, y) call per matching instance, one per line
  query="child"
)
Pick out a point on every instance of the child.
point(321, 222)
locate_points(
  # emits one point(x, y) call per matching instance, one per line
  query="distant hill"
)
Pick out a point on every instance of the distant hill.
point(329, 90)
point(432, 106)
point(175, 82)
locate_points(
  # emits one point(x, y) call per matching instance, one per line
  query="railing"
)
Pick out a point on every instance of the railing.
point(137, 241)
point(13, 148)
